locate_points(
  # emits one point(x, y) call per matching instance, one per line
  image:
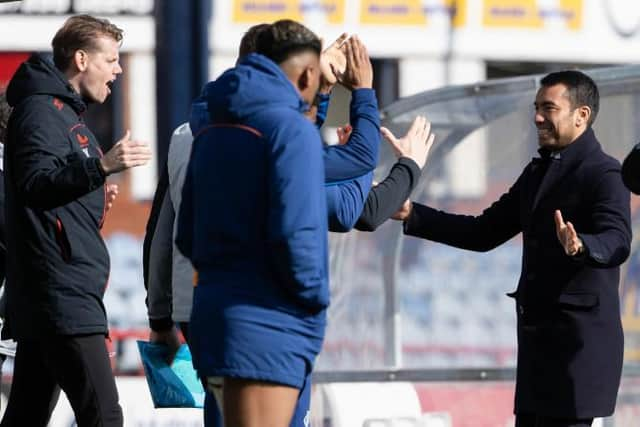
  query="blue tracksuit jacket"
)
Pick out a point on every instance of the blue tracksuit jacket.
point(253, 223)
point(348, 168)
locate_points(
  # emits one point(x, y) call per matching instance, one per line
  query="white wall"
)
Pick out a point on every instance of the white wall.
point(141, 90)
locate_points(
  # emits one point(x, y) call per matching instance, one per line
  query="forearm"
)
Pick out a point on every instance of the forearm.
point(322, 107)
point(49, 188)
point(359, 155)
point(608, 242)
point(604, 252)
point(482, 233)
point(345, 202)
point(387, 197)
point(156, 205)
point(159, 294)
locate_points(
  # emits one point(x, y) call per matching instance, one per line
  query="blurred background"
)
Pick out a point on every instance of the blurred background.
point(419, 334)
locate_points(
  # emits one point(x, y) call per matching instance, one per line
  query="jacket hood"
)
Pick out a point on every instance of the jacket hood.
point(254, 84)
point(38, 76)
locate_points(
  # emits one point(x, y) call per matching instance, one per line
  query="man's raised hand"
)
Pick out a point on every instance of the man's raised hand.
point(359, 71)
point(415, 144)
point(125, 154)
point(332, 56)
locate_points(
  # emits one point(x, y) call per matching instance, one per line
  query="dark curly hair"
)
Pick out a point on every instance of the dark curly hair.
point(248, 42)
point(286, 38)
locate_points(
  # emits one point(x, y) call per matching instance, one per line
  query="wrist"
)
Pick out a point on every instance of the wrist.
point(103, 169)
point(363, 85)
point(325, 88)
point(580, 250)
point(408, 213)
point(418, 161)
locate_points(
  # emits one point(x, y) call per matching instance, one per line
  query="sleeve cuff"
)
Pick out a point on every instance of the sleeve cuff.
point(407, 224)
point(363, 95)
point(413, 167)
point(323, 97)
point(94, 172)
point(586, 253)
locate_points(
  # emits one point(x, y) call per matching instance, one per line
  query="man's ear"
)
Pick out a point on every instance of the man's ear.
point(304, 80)
point(80, 59)
point(584, 114)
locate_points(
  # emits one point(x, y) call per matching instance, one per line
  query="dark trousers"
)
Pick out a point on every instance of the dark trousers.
point(530, 420)
point(79, 365)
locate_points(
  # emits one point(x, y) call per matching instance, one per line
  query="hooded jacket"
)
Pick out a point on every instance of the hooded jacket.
point(257, 171)
point(58, 264)
point(253, 222)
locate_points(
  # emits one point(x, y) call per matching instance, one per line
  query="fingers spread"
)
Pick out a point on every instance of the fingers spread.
point(427, 126)
point(414, 126)
point(386, 133)
point(430, 141)
point(349, 53)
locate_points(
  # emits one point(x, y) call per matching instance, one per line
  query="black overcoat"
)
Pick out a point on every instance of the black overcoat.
point(570, 340)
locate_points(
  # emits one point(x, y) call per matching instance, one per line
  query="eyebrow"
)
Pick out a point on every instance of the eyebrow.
point(545, 104)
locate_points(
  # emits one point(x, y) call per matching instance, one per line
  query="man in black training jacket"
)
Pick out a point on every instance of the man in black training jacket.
point(58, 265)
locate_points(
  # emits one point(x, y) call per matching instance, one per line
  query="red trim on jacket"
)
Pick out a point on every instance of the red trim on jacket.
point(254, 131)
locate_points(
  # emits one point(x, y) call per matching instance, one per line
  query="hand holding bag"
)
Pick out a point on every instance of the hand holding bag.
point(171, 386)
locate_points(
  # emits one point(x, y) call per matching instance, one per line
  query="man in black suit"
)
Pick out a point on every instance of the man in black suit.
point(570, 336)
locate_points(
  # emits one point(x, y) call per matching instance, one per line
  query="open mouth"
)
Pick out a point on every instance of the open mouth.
point(109, 86)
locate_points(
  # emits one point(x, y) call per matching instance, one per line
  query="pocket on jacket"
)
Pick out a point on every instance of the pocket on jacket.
point(63, 240)
point(578, 301)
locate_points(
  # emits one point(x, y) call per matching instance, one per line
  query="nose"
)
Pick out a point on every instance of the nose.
point(118, 69)
point(538, 119)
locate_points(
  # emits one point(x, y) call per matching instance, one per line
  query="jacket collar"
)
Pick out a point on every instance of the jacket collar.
point(565, 161)
point(39, 76)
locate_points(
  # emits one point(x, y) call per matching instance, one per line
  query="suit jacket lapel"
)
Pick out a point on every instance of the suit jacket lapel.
point(551, 177)
point(564, 162)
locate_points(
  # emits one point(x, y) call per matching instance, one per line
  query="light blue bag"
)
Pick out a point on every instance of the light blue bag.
point(175, 386)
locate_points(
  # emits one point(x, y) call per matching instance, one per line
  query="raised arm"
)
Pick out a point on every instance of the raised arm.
point(360, 155)
point(388, 197)
point(345, 202)
point(494, 226)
